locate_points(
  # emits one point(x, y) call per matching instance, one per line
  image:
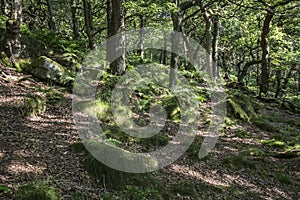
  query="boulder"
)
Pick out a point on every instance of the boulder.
point(47, 69)
point(70, 61)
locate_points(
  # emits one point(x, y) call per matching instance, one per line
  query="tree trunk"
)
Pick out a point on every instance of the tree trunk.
point(188, 53)
point(278, 83)
point(225, 66)
point(74, 19)
point(298, 80)
point(89, 23)
point(215, 42)
point(142, 32)
point(163, 58)
point(177, 27)
point(207, 42)
point(116, 27)
point(286, 80)
point(264, 79)
point(245, 69)
point(12, 45)
point(52, 24)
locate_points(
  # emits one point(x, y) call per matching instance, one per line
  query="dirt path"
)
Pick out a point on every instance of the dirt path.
point(37, 148)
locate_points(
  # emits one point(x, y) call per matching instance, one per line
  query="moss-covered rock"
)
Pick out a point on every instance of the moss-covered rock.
point(5, 60)
point(46, 69)
point(70, 61)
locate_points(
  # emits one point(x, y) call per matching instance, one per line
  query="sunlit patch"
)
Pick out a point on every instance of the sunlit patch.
point(2, 155)
point(3, 178)
point(10, 100)
point(281, 193)
point(210, 179)
point(242, 182)
point(249, 141)
point(18, 168)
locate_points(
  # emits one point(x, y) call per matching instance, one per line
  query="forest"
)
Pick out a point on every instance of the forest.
point(157, 99)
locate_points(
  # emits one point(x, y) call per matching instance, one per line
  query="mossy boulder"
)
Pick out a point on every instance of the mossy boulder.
point(5, 60)
point(70, 61)
point(46, 69)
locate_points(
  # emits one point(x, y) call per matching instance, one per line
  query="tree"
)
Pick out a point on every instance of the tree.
point(116, 27)
point(177, 27)
point(12, 43)
point(52, 24)
point(76, 34)
point(270, 13)
point(89, 27)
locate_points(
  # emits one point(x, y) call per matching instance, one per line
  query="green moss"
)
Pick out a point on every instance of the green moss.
point(253, 152)
point(229, 122)
point(194, 148)
point(241, 106)
point(33, 104)
point(4, 189)
point(5, 60)
point(185, 188)
point(154, 142)
point(77, 195)
point(36, 191)
point(237, 110)
point(96, 108)
point(238, 163)
point(172, 107)
point(273, 143)
point(132, 192)
point(265, 125)
point(78, 147)
point(243, 134)
point(113, 178)
point(283, 178)
point(24, 64)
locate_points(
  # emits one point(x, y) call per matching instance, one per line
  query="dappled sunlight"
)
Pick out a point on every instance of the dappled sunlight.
point(21, 168)
point(209, 179)
point(4, 178)
point(227, 148)
point(247, 141)
point(2, 155)
point(49, 120)
point(280, 193)
point(238, 180)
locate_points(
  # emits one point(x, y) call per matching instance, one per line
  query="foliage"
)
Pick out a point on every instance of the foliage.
point(33, 104)
point(132, 192)
point(273, 143)
point(283, 178)
point(264, 125)
point(239, 162)
point(4, 189)
point(194, 148)
point(241, 106)
point(185, 188)
point(57, 43)
point(36, 190)
point(243, 134)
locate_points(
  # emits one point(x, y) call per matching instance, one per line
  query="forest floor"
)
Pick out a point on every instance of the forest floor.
point(37, 147)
